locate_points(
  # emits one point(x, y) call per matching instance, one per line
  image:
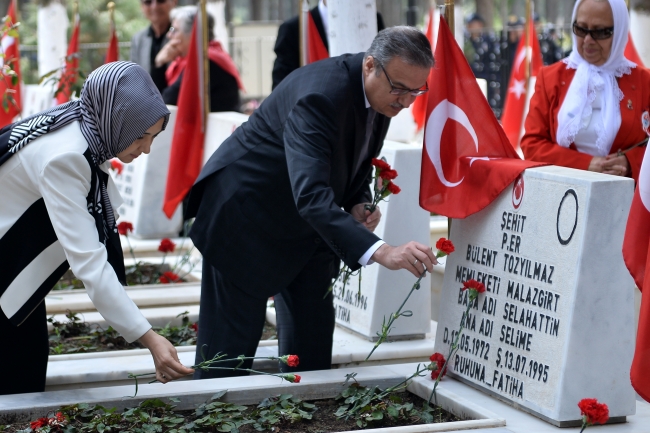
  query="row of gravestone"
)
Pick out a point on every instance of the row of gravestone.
point(556, 323)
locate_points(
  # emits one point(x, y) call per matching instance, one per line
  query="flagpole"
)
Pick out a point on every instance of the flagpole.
point(303, 10)
point(449, 16)
point(111, 13)
point(206, 63)
point(527, 35)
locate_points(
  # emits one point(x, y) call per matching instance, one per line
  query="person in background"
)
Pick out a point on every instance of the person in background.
point(587, 110)
point(58, 213)
point(551, 51)
point(287, 44)
point(146, 44)
point(224, 79)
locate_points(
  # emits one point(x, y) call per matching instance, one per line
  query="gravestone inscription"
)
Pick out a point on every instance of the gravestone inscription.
point(556, 322)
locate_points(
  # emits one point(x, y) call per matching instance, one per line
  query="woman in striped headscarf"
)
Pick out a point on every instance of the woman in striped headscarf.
point(58, 212)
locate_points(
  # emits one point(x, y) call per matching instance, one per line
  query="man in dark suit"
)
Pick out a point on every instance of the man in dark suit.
point(281, 201)
point(287, 44)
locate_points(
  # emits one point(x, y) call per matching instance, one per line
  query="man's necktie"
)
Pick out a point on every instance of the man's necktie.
point(363, 155)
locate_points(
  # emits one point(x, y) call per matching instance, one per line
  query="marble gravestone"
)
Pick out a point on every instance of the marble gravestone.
point(383, 290)
point(556, 323)
point(142, 182)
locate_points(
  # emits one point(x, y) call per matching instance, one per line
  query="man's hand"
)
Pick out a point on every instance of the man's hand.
point(369, 219)
point(165, 357)
point(169, 52)
point(413, 256)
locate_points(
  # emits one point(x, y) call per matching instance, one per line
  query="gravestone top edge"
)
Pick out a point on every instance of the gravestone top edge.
point(579, 177)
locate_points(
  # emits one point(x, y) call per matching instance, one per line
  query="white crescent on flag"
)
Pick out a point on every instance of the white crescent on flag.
point(444, 111)
point(6, 42)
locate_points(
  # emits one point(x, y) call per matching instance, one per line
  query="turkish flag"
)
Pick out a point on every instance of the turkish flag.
point(635, 253)
point(71, 69)
point(186, 154)
point(316, 49)
point(515, 106)
point(419, 107)
point(631, 53)
point(113, 53)
point(10, 84)
point(466, 158)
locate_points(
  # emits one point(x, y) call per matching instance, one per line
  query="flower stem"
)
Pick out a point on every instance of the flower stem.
point(138, 271)
point(454, 346)
point(386, 327)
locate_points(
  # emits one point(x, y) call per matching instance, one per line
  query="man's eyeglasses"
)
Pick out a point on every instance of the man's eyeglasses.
point(171, 31)
point(400, 91)
point(597, 34)
point(149, 2)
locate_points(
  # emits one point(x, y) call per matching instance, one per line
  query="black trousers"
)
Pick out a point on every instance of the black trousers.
point(23, 353)
point(231, 321)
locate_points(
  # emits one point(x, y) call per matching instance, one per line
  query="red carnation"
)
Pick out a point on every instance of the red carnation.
point(380, 164)
point(593, 412)
point(59, 417)
point(117, 165)
point(445, 246)
point(388, 174)
point(439, 360)
point(474, 285)
point(41, 422)
point(124, 227)
point(169, 277)
point(293, 361)
point(166, 246)
point(290, 377)
point(195, 326)
point(392, 188)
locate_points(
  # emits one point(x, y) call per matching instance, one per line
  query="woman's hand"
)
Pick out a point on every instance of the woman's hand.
point(167, 53)
point(165, 357)
point(616, 165)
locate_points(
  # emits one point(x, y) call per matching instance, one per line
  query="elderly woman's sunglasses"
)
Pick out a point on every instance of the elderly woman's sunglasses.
point(598, 34)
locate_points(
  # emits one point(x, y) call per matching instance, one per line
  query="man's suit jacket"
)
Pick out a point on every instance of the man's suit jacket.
point(539, 142)
point(274, 190)
point(287, 44)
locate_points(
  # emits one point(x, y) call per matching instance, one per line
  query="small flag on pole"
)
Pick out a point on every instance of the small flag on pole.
point(186, 156)
point(113, 53)
point(71, 69)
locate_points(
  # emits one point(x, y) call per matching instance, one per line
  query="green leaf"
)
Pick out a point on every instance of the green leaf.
point(377, 414)
point(219, 394)
point(392, 411)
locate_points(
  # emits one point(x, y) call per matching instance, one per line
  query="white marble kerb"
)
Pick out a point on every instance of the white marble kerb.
point(556, 324)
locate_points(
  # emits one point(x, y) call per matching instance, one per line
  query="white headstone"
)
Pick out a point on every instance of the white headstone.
point(556, 323)
point(352, 25)
point(52, 36)
point(142, 186)
point(383, 290)
point(142, 183)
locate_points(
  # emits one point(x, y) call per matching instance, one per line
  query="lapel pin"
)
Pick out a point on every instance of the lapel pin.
point(629, 104)
point(645, 122)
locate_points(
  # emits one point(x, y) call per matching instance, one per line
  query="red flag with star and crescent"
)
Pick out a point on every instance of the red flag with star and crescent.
point(635, 252)
point(467, 160)
point(517, 98)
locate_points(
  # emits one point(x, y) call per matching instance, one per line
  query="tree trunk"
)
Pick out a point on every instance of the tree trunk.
point(485, 8)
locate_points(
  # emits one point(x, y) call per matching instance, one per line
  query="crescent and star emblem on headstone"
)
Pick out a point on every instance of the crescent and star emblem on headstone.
point(444, 111)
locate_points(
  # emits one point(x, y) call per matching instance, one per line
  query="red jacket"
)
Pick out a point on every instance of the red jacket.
point(539, 141)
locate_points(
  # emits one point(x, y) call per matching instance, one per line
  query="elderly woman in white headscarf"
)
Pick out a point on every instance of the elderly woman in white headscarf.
point(588, 111)
point(58, 212)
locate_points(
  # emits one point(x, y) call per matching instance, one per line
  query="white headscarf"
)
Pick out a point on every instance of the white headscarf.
point(589, 79)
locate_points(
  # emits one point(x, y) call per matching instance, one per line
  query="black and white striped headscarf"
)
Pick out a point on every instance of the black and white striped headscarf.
point(118, 103)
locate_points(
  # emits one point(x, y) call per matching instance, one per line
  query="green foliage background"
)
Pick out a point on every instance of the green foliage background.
point(94, 20)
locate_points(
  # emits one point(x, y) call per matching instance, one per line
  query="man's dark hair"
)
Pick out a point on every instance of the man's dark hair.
point(407, 43)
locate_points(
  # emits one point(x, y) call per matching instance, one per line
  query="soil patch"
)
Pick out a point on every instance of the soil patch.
point(144, 273)
point(77, 336)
